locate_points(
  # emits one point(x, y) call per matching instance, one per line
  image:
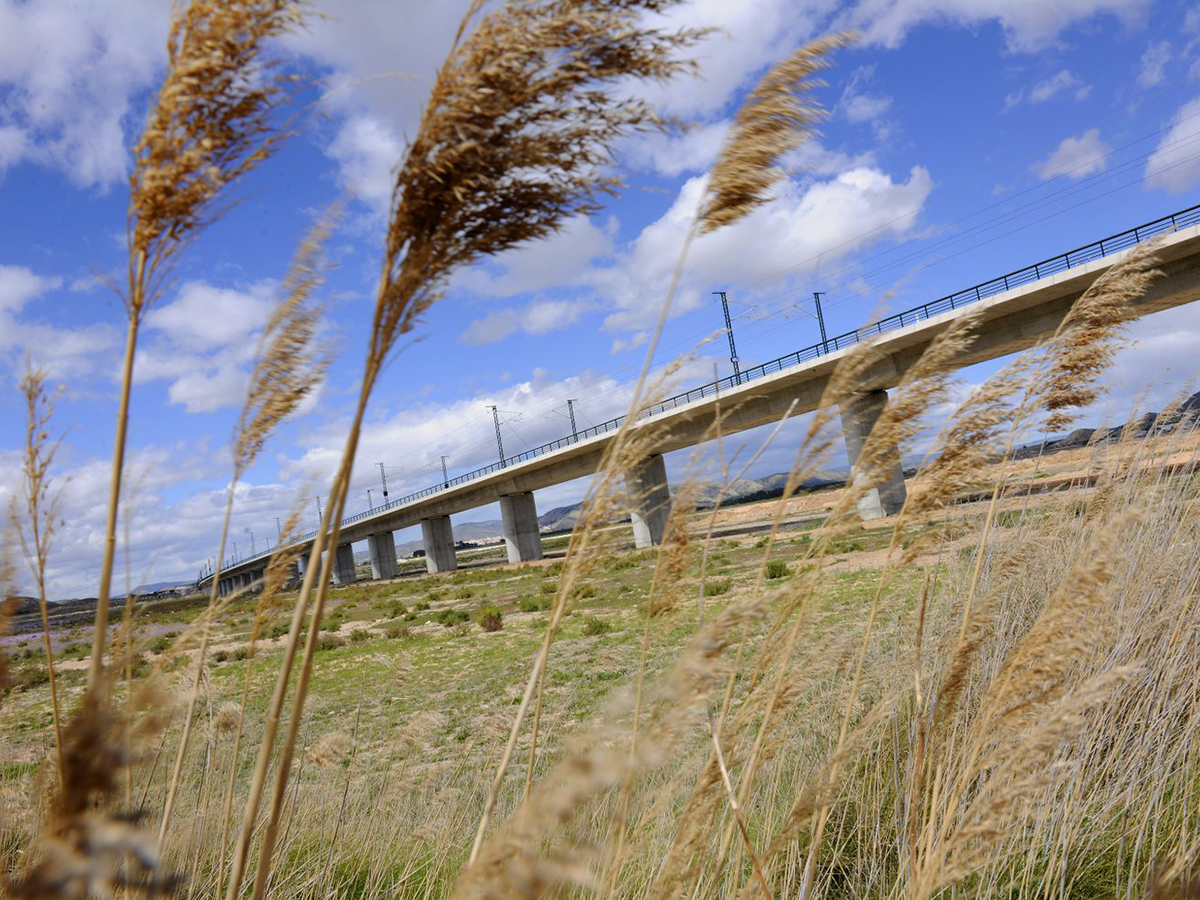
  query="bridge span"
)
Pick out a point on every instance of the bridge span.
point(1017, 310)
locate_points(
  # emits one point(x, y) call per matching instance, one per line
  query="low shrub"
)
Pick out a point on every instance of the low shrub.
point(584, 591)
point(423, 605)
point(464, 593)
point(594, 625)
point(535, 604)
point(489, 617)
point(549, 587)
point(761, 542)
point(161, 643)
point(717, 586)
point(398, 632)
point(359, 635)
point(777, 568)
point(330, 641)
point(451, 617)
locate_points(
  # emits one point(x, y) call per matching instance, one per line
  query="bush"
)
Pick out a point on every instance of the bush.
point(396, 610)
point(220, 656)
point(717, 587)
point(549, 587)
point(397, 632)
point(239, 653)
point(330, 642)
point(424, 604)
point(489, 617)
point(359, 635)
point(278, 630)
point(535, 604)
point(162, 642)
point(465, 593)
point(761, 542)
point(777, 568)
point(593, 625)
point(584, 591)
point(451, 617)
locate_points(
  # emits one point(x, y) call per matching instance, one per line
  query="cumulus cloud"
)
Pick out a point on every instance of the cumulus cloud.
point(65, 353)
point(1028, 27)
point(536, 318)
point(1062, 82)
point(169, 538)
point(1075, 157)
point(1154, 64)
point(859, 106)
point(806, 226)
point(68, 75)
point(560, 259)
point(203, 343)
point(1175, 166)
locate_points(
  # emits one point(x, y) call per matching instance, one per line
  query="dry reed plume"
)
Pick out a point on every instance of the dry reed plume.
point(215, 119)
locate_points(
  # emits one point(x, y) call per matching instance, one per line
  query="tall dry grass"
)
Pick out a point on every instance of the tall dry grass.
point(1002, 711)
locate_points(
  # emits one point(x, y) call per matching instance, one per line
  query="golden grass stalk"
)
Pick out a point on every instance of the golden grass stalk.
point(514, 140)
point(213, 121)
point(35, 529)
point(774, 119)
point(278, 573)
point(291, 364)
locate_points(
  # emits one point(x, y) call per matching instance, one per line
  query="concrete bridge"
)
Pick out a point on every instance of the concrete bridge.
point(1018, 310)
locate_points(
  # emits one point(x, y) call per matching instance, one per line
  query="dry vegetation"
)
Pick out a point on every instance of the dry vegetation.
point(992, 693)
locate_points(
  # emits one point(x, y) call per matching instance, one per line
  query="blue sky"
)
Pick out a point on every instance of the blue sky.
point(966, 138)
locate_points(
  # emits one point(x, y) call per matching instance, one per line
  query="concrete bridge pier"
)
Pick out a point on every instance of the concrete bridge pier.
point(343, 565)
point(439, 544)
point(382, 548)
point(651, 500)
point(886, 496)
point(245, 579)
point(223, 587)
point(522, 535)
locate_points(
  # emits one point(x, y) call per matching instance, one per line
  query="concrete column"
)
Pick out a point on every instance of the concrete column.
point(245, 579)
point(886, 495)
point(439, 544)
point(222, 590)
point(343, 565)
point(383, 554)
point(522, 535)
point(650, 499)
point(302, 563)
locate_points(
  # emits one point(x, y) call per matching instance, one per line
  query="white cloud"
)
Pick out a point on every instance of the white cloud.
point(367, 152)
point(807, 226)
point(857, 105)
point(203, 343)
point(537, 318)
point(1064, 81)
point(206, 317)
point(19, 285)
point(675, 154)
point(1154, 64)
point(1075, 157)
point(65, 353)
point(1175, 166)
point(557, 260)
point(68, 73)
point(1029, 25)
point(168, 538)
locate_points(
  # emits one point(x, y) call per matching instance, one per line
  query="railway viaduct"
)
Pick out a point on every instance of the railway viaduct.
point(1017, 310)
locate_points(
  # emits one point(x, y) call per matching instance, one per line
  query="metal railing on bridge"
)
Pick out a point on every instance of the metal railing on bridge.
point(1018, 278)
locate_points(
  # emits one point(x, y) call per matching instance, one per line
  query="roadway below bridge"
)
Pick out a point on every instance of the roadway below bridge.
point(1015, 311)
